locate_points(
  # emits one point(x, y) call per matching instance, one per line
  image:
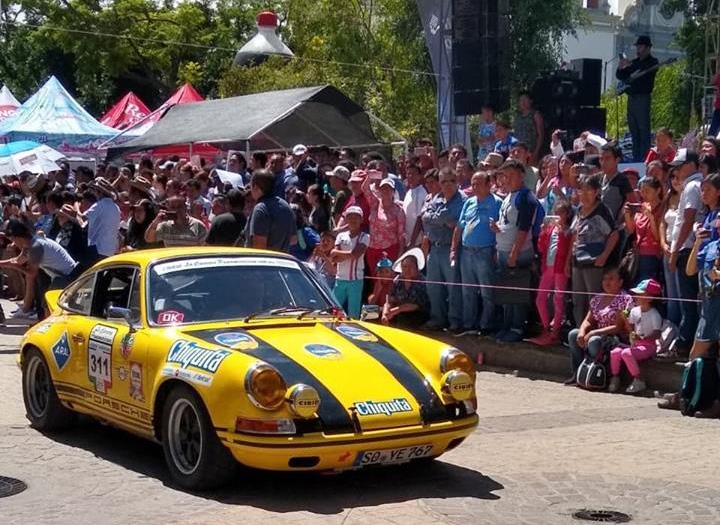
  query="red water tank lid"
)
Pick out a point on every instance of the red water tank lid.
point(267, 19)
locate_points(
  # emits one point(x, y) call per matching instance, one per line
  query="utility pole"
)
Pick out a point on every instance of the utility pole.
point(712, 53)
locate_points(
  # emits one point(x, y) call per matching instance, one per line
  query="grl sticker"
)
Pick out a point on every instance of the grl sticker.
point(323, 351)
point(357, 333)
point(170, 317)
point(236, 341)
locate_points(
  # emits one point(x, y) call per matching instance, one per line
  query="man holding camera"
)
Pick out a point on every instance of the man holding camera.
point(174, 227)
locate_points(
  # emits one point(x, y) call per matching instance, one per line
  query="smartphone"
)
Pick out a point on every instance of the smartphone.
point(635, 206)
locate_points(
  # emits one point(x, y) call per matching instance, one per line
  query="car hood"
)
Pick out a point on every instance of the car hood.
point(362, 380)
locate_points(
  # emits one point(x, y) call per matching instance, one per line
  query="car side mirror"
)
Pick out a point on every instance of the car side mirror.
point(117, 312)
point(370, 312)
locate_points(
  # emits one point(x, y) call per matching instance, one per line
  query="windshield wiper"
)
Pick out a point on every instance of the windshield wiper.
point(277, 311)
point(330, 310)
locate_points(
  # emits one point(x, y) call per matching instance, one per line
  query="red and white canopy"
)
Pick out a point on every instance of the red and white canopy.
point(126, 112)
point(8, 103)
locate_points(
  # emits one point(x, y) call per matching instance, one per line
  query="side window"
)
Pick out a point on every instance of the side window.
point(135, 298)
point(112, 288)
point(78, 297)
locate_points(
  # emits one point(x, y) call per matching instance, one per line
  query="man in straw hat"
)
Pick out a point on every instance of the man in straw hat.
point(140, 188)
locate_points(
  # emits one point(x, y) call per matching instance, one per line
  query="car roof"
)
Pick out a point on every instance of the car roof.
point(144, 258)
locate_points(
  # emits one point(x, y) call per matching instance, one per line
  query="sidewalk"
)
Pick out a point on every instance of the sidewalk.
point(553, 362)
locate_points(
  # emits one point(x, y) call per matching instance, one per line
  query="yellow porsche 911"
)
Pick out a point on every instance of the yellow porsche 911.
point(231, 355)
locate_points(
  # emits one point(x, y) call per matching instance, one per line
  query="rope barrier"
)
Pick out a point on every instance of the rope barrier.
point(522, 289)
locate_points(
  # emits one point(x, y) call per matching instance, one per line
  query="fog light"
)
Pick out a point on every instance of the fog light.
point(265, 426)
point(304, 400)
point(265, 387)
point(454, 359)
point(458, 385)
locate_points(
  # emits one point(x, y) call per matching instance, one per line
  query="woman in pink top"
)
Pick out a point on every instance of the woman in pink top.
point(387, 220)
point(644, 221)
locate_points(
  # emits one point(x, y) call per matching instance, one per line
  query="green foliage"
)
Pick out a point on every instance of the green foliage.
point(373, 50)
point(616, 113)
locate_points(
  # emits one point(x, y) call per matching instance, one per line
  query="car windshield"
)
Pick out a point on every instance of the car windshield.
point(204, 289)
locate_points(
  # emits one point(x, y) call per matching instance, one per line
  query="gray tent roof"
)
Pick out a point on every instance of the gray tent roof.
point(270, 120)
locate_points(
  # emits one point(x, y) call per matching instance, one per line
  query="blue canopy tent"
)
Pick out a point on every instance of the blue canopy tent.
point(52, 117)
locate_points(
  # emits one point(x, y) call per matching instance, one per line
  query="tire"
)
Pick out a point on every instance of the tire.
point(196, 458)
point(42, 405)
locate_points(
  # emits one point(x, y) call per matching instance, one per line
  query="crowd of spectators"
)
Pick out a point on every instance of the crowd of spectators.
point(563, 247)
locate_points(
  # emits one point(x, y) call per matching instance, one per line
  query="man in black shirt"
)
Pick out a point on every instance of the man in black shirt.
point(639, 89)
point(227, 228)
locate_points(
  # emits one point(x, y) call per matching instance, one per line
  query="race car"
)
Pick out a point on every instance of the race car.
point(230, 356)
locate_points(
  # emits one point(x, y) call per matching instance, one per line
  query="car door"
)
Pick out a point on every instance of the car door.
point(112, 375)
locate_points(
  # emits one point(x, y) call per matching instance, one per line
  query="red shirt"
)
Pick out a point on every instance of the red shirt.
point(645, 241)
point(667, 156)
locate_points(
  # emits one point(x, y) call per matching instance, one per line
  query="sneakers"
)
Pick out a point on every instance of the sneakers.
point(614, 385)
point(670, 402)
point(570, 381)
point(20, 314)
point(637, 386)
point(544, 339)
point(711, 413)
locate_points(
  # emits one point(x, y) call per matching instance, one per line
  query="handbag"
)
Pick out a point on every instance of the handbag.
point(592, 373)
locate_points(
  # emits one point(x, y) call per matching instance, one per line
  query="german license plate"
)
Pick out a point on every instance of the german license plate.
point(392, 455)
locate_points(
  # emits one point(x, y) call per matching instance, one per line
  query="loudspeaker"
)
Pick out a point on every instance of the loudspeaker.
point(590, 70)
point(592, 119)
point(480, 61)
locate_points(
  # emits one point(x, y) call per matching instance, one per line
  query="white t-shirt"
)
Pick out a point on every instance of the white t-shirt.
point(645, 323)
point(412, 206)
point(351, 269)
point(690, 198)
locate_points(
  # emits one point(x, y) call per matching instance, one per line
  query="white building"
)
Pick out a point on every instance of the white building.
point(607, 34)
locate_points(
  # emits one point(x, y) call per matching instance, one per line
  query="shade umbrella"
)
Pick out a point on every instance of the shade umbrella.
point(26, 155)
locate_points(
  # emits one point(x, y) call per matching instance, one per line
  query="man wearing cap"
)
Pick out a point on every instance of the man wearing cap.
point(103, 220)
point(49, 265)
point(306, 168)
point(690, 209)
point(640, 84)
point(439, 220)
point(338, 179)
point(272, 222)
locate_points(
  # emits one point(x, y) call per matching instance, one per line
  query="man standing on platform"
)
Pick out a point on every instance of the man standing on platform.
point(640, 83)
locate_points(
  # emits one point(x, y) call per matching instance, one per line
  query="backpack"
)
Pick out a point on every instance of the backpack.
point(700, 384)
point(592, 373)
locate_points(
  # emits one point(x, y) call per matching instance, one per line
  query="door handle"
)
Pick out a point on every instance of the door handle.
point(78, 338)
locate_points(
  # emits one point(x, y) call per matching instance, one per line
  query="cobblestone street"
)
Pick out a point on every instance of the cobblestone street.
point(542, 451)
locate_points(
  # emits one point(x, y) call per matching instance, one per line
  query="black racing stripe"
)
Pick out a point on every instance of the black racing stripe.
point(335, 418)
point(431, 407)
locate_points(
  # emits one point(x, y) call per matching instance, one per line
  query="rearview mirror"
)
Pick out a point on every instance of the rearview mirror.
point(370, 312)
point(117, 312)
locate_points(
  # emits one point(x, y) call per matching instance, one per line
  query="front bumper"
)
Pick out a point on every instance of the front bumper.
point(338, 452)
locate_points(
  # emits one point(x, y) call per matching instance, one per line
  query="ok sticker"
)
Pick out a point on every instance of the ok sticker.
point(170, 317)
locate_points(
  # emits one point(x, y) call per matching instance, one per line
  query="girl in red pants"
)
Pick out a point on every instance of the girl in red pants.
point(644, 324)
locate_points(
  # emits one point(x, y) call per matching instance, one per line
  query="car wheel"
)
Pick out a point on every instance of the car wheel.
point(193, 452)
point(42, 405)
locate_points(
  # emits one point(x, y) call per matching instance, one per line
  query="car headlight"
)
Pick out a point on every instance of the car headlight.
point(303, 400)
point(265, 387)
point(454, 359)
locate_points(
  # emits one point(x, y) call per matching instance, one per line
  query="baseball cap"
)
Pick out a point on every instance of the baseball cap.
point(387, 182)
point(299, 149)
point(358, 176)
point(648, 287)
point(357, 210)
point(595, 140)
point(384, 263)
point(341, 172)
point(684, 155)
point(493, 160)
